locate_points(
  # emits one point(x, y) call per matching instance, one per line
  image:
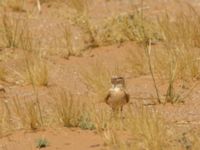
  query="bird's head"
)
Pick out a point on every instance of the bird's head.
point(118, 81)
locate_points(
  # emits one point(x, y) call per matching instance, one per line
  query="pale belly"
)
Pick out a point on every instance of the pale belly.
point(117, 99)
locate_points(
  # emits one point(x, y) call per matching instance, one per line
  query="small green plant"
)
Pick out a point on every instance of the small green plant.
point(86, 123)
point(42, 143)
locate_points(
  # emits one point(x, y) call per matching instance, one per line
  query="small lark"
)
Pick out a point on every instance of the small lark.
point(117, 96)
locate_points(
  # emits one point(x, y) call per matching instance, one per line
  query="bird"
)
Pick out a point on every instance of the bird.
point(117, 95)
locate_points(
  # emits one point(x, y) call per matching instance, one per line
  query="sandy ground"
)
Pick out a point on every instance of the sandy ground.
point(66, 73)
point(58, 139)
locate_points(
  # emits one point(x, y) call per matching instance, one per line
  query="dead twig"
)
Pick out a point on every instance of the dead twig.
point(148, 52)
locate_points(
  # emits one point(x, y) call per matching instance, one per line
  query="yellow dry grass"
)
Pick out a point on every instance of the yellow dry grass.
point(142, 128)
point(36, 70)
point(15, 5)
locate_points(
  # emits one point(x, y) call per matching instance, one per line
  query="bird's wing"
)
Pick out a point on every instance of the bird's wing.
point(127, 97)
point(107, 97)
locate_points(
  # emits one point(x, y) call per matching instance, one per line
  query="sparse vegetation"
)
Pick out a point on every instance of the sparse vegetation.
point(81, 19)
point(36, 70)
point(11, 31)
point(163, 50)
point(127, 27)
point(69, 49)
point(185, 23)
point(97, 79)
point(2, 73)
point(41, 143)
point(69, 110)
point(15, 5)
point(15, 32)
point(144, 130)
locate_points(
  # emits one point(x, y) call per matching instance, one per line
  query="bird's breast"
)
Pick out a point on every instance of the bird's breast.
point(117, 98)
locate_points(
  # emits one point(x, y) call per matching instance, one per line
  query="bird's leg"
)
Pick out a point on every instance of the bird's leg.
point(112, 114)
point(121, 114)
point(115, 113)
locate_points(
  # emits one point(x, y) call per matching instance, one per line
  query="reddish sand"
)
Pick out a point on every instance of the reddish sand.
point(58, 139)
point(66, 73)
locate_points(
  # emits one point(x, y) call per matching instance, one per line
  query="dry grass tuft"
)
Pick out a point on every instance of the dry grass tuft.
point(14, 5)
point(148, 129)
point(97, 79)
point(15, 32)
point(100, 116)
point(127, 27)
point(3, 73)
point(33, 113)
point(181, 30)
point(81, 19)
point(181, 39)
point(36, 69)
point(68, 109)
point(10, 30)
point(17, 114)
point(71, 112)
point(18, 107)
point(68, 41)
point(81, 6)
point(1, 120)
point(142, 129)
point(68, 49)
point(5, 121)
point(26, 114)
